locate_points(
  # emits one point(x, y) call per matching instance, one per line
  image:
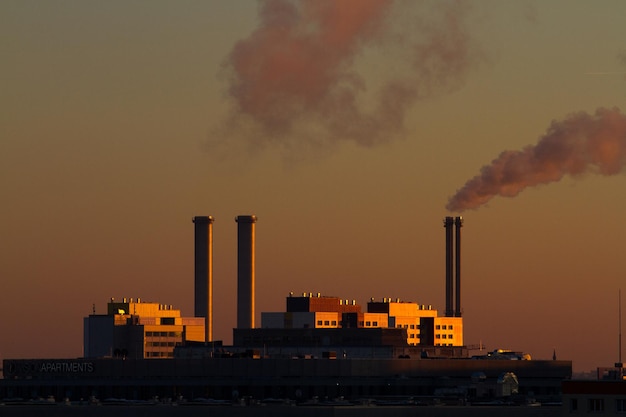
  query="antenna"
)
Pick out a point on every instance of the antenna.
point(619, 356)
point(619, 365)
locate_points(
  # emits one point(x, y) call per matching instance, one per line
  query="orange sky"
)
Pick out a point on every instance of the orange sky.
point(121, 121)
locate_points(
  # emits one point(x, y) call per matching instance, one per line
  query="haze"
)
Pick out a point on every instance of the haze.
point(121, 121)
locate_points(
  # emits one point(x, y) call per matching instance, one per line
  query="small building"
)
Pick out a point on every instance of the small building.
point(136, 329)
point(604, 397)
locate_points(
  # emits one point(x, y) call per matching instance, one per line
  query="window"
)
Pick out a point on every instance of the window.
point(450, 327)
point(368, 323)
point(412, 336)
point(334, 322)
point(443, 336)
point(596, 405)
point(412, 326)
point(326, 323)
point(444, 327)
point(319, 322)
point(438, 327)
point(437, 336)
point(375, 324)
point(620, 405)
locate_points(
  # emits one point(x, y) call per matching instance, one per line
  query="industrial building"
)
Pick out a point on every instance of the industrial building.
point(136, 329)
point(319, 347)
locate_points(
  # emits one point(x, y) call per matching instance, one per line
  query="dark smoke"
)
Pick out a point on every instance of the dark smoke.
point(579, 144)
point(294, 79)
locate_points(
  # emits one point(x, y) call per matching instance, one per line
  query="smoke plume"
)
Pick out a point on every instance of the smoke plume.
point(579, 144)
point(296, 78)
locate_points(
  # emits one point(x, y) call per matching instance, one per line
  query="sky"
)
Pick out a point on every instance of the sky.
point(349, 128)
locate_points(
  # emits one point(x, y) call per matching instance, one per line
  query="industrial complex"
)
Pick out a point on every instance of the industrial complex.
point(320, 349)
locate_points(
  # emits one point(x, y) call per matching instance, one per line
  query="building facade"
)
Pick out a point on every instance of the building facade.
point(136, 329)
point(422, 324)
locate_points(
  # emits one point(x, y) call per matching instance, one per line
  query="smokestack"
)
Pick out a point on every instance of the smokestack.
point(448, 223)
point(203, 266)
point(245, 271)
point(458, 223)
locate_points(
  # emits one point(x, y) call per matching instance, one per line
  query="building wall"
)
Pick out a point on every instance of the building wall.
point(448, 331)
point(139, 330)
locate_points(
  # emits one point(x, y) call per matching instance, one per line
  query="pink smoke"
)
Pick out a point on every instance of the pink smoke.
point(296, 70)
point(581, 143)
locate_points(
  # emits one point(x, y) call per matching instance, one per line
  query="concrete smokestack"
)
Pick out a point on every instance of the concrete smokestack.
point(448, 223)
point(245, 271)
point(203, 266)
point(458, 223)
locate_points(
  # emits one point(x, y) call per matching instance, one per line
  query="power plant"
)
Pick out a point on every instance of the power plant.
point(319, 347)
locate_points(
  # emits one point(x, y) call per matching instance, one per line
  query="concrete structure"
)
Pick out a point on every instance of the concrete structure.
point(136, 329)
point(203, 272)
point(245, 271)
point(458, 223)
point(453, 266)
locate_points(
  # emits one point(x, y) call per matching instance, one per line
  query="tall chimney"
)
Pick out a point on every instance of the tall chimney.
point(448, 223)
point(203, 266)
point(245, 271)
point(458, 223)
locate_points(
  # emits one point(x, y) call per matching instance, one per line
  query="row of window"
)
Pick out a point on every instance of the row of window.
point(444, 336)
point(163, 344)
point(164, 334)
point(596, 405)
point(159, 354)
point(444, 327)
point(408, 326)
point(327, 323)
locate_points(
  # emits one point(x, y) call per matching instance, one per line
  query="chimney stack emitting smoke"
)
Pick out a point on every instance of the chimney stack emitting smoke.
point(245, 271)
point(203, 272)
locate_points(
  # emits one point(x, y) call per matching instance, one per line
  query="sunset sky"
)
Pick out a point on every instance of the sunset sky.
point(347, 128)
